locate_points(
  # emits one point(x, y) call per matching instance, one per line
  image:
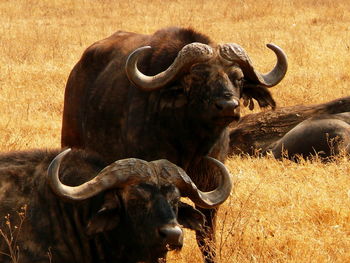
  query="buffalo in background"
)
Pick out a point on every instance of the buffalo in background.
point(128, 211)
point(322, 135)
point(295, 131)
point(170, 95)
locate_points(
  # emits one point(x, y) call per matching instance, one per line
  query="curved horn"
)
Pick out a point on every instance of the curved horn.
point(220, 194)
point(235, 53)
point(189, 54)
point(119, 174)
point(187, 187)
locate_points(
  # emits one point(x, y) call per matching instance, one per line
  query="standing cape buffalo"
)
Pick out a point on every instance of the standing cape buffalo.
point(126, 212)
point(178, 108)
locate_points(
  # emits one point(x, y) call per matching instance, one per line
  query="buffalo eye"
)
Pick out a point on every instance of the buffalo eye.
point(172, 194)
point(240, 85)
point(236, 76)
point(239, 82)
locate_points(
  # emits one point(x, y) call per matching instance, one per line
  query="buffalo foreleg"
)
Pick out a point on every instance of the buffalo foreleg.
point(206, 237)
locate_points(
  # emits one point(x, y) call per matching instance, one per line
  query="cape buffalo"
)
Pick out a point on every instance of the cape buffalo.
point(295, 131)
point(325, 135)
point(128, 211)
point(168, 95)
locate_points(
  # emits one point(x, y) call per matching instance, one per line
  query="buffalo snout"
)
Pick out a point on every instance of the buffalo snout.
point(227, 110)
point(172, 236)
point(227, 106)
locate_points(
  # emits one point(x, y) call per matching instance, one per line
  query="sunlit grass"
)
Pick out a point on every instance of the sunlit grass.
point(279, 211)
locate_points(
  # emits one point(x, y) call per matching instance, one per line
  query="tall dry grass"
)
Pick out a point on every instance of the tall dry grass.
point(279, 211)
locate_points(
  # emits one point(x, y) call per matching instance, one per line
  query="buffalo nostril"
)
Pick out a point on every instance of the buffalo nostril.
point(172, 235)
point(219, 105)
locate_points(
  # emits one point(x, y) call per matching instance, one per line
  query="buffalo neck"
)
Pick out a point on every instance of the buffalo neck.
point(172, 135)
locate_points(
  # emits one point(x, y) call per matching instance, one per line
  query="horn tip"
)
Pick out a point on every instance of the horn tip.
point(145, 47)
point(67, 150)
point(272, 45)
point(275, 47)
point(63, 153)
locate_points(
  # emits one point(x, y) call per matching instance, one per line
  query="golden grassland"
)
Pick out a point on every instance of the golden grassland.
point(278, 211)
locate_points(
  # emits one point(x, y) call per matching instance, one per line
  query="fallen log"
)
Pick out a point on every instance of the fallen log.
point(256, 132)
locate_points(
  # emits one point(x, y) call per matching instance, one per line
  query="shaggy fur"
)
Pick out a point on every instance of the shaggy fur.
point(181, 122)
point(119, 225)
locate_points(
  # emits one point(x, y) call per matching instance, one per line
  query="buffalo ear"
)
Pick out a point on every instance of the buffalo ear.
point(261, 94)
point(107, 217)
point(104, 221)
point(189, 217)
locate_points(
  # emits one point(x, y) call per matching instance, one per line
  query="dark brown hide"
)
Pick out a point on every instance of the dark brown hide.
point(119, 225)
point(323, 135)
point(300, 130)
point(182, 122)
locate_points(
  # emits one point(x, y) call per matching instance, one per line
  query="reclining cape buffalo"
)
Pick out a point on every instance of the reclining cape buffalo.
point(128, 211)
point(295, 131)
point(324, 135)
point(168, 95)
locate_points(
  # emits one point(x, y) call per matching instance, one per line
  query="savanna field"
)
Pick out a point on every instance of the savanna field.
point(279, 211)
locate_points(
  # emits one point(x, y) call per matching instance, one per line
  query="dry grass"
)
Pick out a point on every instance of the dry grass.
point(279, 211)
point(10, 235)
